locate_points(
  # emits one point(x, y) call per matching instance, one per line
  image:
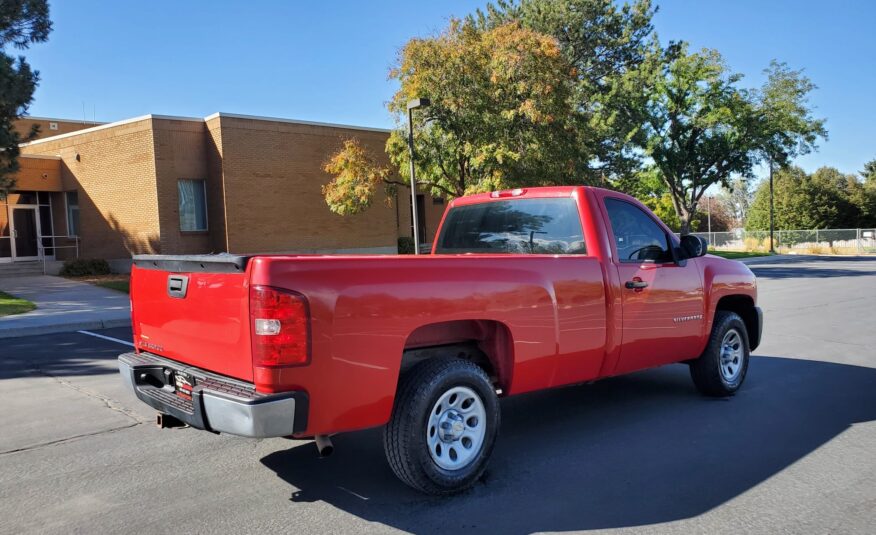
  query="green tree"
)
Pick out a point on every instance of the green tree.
point(22, 23)
point(701, 128)
point(802, 202)
point(612, 48)
point(845, 193)
point(869, 174)
point(500, 106)
point(865, 197)
point(647, 185)
point(736, 200)
point(529, 92)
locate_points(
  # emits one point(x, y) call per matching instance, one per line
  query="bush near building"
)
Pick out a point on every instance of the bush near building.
point(84, 267)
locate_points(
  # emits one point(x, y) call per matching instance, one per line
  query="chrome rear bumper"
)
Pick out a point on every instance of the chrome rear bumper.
point(217, 403)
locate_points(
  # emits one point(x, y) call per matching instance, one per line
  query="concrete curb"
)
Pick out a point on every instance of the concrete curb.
point(771, 258)
point(35, 330)
point(791, 258)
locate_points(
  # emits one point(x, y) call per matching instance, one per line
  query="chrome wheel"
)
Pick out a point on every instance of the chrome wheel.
point(732, 355)
point(456, 428)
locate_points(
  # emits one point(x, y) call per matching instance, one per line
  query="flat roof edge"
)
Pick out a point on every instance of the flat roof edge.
point(295, 121)
point(39, 156)
point(56, 119)
point(105, 126)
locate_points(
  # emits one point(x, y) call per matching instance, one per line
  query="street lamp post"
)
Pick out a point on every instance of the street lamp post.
point(415, 224)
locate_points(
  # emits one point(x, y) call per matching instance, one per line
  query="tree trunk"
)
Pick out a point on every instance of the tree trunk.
point(685, 224)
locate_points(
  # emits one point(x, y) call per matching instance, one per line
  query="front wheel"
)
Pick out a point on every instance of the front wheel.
point(722, 367)
point(443, 426)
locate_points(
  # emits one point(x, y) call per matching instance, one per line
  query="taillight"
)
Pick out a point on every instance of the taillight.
point(279, 322)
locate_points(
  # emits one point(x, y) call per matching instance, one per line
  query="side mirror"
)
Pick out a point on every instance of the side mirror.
point(694, 246)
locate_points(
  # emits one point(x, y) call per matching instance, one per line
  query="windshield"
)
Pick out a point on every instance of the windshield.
point(518, 226)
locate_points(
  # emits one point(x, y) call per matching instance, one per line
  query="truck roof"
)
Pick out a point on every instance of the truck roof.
point(522, 193)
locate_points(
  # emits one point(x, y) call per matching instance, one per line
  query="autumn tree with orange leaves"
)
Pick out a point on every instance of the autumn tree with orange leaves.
point(502, 99)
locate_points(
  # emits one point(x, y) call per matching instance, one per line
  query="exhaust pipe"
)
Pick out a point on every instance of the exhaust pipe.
point(166, 421)
point(324, 445)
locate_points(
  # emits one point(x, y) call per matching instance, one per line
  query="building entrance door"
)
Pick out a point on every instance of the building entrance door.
point(25, 233)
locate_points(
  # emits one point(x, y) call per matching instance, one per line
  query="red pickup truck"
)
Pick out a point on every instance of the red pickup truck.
point(524, 290)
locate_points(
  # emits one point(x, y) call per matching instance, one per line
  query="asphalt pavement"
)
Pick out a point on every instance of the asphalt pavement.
point(793, 452)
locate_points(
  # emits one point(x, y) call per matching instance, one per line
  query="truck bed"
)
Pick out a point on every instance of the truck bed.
point(366, 310)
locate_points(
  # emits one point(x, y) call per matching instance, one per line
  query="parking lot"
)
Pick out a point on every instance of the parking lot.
point(794, 451)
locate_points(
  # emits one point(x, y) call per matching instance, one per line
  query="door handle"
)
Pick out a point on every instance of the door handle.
point(636, 284)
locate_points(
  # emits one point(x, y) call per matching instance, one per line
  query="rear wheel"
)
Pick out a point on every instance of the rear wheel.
point(443, 426)
point(721, 369)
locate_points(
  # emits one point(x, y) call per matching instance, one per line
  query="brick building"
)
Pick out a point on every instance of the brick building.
point(176, 185)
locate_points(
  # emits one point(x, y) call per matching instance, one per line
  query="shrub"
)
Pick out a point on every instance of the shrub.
point(405, 245)
point(83, 267)
point(756, 245)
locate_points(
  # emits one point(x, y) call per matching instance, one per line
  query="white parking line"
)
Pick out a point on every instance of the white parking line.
point(110, 338)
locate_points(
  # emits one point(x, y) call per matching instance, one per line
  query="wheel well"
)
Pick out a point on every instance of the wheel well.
point(487, 343)
point(744, 307)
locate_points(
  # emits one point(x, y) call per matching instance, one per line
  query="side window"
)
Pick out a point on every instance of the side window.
point(637, 237)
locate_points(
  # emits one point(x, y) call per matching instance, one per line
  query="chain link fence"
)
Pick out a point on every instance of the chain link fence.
point(828, 241)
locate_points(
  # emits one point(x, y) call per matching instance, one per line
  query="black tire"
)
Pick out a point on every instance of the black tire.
point(405, 436)
point(706, 371)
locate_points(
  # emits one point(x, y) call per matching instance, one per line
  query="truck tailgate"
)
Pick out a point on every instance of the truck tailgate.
point(194, 310)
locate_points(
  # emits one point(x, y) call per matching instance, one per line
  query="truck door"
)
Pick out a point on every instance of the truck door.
point(662, 301)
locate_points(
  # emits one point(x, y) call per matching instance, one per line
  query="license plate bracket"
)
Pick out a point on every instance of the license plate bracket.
point(183, 383)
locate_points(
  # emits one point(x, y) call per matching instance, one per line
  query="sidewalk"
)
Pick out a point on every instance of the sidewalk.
point(63, 305)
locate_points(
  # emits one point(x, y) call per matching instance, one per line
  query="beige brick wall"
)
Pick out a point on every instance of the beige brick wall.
point(272, 185)
point(433, 213)
point(38, 173)
point(433, 217)
point(181, 153)
point(113, 169)
point(215, 186)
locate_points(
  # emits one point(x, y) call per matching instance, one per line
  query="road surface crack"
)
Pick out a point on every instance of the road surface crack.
point(68, 439)
point(109, 403)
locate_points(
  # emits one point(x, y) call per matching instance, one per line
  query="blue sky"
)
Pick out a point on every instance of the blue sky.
point(328, 61)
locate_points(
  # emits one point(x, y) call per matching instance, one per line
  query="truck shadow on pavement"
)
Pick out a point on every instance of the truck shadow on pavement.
point(627, 451)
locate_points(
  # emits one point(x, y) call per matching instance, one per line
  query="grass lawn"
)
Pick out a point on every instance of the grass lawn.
point(12, 305)
point(735, 255)
point(119, 283)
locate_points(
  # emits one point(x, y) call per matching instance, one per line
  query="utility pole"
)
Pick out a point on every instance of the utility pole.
point(709, 215)
point(772, 226)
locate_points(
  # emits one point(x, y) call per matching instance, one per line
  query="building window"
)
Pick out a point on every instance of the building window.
point(72, 198)
point(192, 205)
point(437, 200)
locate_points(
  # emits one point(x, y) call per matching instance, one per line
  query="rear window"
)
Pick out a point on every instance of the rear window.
point(518, 226)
